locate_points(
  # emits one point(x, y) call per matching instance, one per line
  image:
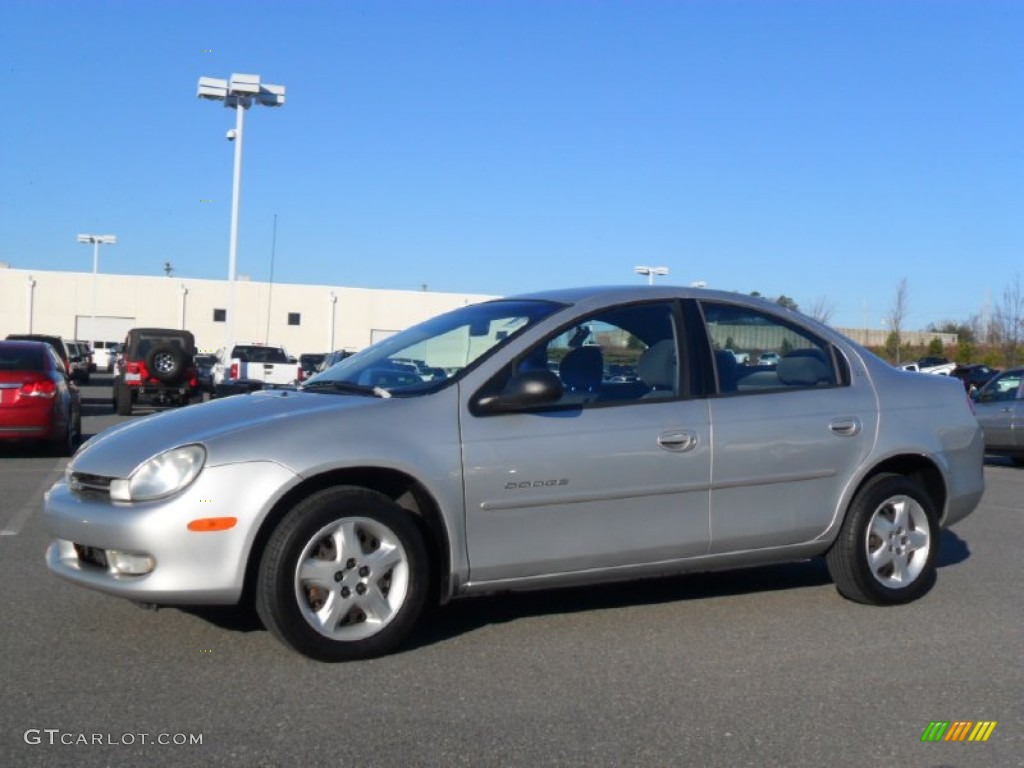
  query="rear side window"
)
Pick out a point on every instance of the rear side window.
point(260, 354)
point(12, 359)
point(757, 352)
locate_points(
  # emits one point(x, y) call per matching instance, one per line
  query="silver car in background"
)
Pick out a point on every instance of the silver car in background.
point(999, 406)
point(346, 507)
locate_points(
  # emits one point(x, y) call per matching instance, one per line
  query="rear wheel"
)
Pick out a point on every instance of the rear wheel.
point(68, 440)
point(344, 576)
point(123, 398)
point(886, 551)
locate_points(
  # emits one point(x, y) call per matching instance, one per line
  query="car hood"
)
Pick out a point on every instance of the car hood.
point(220, 425)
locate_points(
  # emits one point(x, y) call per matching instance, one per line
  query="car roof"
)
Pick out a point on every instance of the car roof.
point(58, 344)
point(162, 331)
point(47, 337)
point(28, 343)
point(622, 294)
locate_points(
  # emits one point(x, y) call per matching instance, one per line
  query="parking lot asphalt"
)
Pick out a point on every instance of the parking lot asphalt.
point(762, 667)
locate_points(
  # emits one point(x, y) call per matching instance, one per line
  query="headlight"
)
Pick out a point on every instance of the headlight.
point(161, 476)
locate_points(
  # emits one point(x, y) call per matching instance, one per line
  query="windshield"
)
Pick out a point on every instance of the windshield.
point(424, 357)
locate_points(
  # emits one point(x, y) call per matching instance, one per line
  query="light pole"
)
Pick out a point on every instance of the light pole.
point(31, 300)
point(97, 241)
point(238, 92)
point(183, 290)
point(651, 272)
point(333, 300)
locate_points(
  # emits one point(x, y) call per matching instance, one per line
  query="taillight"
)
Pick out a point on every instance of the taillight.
point(39, 388)
point(302, 374)
point(234, 371)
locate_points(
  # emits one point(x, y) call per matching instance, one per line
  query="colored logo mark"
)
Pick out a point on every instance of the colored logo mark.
point(959, 730)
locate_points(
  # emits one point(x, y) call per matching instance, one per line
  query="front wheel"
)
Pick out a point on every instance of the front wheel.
point(344, 576)
point(886, 550)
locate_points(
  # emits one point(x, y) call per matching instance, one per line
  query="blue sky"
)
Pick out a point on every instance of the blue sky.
point(823, 149)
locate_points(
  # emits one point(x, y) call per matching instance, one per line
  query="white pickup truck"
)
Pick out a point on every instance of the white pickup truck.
point(254, 366)
point(938, 365)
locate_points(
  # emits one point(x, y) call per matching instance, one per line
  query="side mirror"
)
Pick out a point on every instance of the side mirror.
point(525, 390)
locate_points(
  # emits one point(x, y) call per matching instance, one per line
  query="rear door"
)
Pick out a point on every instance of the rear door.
point(788, 434)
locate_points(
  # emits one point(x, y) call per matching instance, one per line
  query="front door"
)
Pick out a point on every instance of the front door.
point(615, 475)
point(999, 412)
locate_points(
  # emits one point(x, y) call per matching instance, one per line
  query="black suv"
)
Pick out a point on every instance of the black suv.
point(60, 347)
point(156, 366)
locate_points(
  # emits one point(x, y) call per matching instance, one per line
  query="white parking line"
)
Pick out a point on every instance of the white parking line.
point(18, 519)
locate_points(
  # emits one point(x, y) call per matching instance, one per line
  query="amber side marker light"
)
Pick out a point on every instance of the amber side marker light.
point(209, 524)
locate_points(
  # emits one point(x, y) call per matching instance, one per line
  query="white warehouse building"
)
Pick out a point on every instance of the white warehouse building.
point(300, 318)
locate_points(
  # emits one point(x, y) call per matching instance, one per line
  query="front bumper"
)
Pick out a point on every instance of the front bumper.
point(191, 567)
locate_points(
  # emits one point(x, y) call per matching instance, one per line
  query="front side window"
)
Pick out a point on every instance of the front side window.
point(1003, 387)
point(423, 358)
point(757, 352)
point(624, 354)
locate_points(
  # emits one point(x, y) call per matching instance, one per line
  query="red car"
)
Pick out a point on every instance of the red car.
point(38, 400)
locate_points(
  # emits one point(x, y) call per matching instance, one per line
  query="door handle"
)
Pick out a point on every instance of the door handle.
point(685, 440)
point(845, 427)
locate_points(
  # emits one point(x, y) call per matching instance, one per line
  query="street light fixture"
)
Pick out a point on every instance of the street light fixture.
point(97, 241)
point(651, 272)
point(238, 92)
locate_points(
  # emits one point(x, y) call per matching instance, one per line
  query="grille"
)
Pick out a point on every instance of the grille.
point(90, 485)
point(91, 556)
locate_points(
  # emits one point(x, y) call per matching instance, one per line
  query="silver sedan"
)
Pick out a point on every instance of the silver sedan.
point(1000, 409)
point(345, 508)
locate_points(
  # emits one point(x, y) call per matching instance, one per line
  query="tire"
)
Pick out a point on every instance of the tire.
point(66, 444)
point(344, 576)
point(166, 363)
point(122, 398)
point(887, 548)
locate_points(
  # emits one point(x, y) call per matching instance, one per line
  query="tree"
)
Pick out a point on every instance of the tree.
point(897, 315)
point(1008, 322)
point(892, 346)
point(965, 332)
point(935, 348)
point(965, 352)
point(788, 303)
point(822, 309)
